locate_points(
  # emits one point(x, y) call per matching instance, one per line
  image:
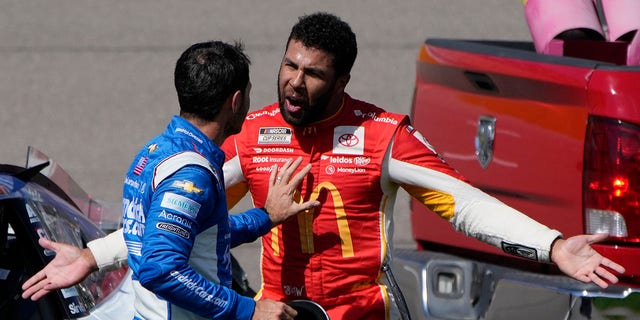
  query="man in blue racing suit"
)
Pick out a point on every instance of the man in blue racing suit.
point(176, 224)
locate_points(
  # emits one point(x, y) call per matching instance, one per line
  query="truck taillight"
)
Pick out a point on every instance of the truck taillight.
point(611, 189)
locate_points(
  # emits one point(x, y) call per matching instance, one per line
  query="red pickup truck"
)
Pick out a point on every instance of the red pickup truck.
point(556, 137)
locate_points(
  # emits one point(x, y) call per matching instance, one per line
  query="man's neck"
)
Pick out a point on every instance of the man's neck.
point(211, 129)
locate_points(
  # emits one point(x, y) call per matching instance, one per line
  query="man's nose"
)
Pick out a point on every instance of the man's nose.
point(297, 80)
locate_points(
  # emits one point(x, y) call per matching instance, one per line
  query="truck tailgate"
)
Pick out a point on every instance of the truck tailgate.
point(539, 108)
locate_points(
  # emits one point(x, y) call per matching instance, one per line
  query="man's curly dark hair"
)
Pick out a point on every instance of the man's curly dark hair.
point(328, 33)
point(206, 74)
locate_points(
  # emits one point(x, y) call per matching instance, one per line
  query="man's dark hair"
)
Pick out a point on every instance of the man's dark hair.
point(328, 33)
point(206, 74)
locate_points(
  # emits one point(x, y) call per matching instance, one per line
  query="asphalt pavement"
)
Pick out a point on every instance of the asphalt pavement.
point(89, 82)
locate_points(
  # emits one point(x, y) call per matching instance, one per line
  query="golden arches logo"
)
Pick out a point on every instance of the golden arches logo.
point(305, 223)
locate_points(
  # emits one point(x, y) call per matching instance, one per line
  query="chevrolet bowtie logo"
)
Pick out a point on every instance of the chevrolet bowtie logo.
point(187, 186)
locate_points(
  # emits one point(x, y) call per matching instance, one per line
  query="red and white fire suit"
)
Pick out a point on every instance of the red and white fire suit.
point(334, 254)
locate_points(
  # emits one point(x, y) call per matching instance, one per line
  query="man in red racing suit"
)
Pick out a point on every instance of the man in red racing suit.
point(333, 255)
point(360, 156)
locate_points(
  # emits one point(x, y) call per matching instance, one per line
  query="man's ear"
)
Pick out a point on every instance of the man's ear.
point(236, 101)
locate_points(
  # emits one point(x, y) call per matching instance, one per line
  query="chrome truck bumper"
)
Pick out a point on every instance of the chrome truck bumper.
point(443, 286)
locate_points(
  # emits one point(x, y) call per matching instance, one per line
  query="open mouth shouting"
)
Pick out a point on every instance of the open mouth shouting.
point(293, 105)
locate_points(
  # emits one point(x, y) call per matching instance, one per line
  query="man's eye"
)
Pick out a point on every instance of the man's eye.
point(316, 75)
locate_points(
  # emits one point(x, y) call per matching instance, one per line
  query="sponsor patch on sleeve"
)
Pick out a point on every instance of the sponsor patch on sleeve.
point(187, 186)
point(416, 134)
point(176, 202)
point(172, 228)
point(520, 250)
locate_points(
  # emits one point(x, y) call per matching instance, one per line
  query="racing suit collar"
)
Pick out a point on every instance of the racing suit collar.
point(330, 122)
point(201, 143)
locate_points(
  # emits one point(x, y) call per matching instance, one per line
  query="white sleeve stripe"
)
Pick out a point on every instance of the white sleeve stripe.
point(232, 172)
point(414, 175)
point(173, 163)
point(478, 214)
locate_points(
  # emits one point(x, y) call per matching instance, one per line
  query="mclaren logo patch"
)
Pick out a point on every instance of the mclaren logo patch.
point(177, 230)
point(274, 135)
point(520, 250)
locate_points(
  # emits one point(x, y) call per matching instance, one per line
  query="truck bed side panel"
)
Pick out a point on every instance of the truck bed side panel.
point(540, 120)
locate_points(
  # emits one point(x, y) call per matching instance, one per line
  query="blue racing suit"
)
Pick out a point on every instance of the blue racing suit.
point(178, 230)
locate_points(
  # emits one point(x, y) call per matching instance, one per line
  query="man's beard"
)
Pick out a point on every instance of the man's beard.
point(308, 114)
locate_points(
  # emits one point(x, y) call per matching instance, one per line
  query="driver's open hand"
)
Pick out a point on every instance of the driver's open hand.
point(283, 197)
